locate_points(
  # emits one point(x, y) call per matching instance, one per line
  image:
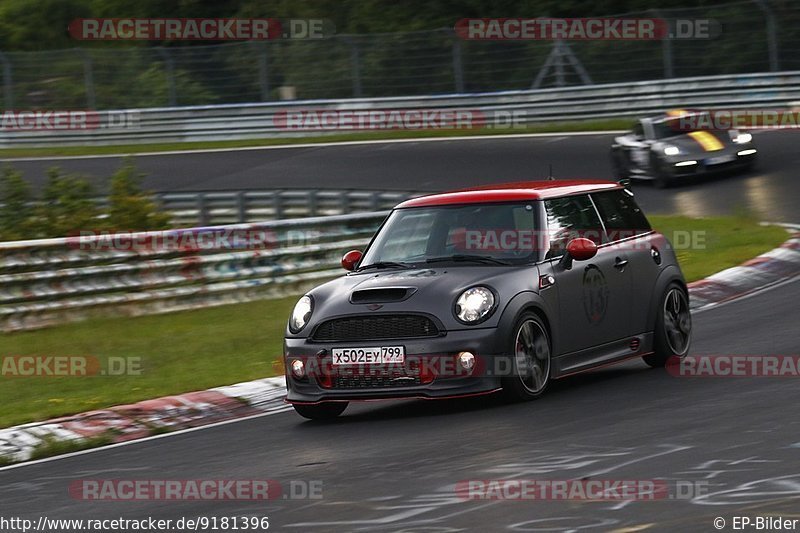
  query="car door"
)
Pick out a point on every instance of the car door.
point(594, 295)
point(628, 228)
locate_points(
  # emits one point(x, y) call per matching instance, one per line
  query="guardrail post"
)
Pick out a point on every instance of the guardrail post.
point(88, 79)
point(374, 201)
point(344, 202)
point(241, 206)
point(458, 68)
point(355, 66)
point(312, 203)
point(202, 210)
point(8, 84)
point(169, 69)
point(277, 204)
point(772, 34)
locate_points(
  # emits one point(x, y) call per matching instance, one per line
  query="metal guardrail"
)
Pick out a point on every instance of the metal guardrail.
point(54, 281)
point(233, 207)
point(248, 121)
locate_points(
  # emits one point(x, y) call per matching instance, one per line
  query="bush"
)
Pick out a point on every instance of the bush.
point(15, 214)
point(66, 206)
point(130, 208)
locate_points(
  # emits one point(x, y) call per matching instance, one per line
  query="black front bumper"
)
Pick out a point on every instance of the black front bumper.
point(439, 351)
point(702, 168)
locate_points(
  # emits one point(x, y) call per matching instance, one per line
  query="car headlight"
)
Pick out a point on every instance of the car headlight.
point(474, 305)
point(743, 138)
point(301, 314)
point(672, 150)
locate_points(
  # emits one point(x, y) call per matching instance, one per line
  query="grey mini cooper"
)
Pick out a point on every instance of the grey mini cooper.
point(496, 289)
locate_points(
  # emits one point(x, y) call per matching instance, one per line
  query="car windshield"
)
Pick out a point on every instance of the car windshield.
point(672, 126)
point(476, 234)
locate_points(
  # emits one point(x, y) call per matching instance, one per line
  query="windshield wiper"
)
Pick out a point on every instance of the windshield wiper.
point(473, 258)
point(385, 264)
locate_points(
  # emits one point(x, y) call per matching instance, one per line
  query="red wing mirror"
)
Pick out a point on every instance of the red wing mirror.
point(351, 259)
point(581, 249)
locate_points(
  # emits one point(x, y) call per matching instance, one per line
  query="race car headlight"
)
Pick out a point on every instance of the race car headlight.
point(743, 138)
point(474, 305)
point(301, 314)
point(672, 150)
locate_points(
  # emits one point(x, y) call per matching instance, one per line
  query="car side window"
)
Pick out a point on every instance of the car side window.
point(570, 217)
point(621, 215)
point(638, 130)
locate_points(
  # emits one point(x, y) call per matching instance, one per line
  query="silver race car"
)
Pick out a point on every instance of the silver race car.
point(665, 148)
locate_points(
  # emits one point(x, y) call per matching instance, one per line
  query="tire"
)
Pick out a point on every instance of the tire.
point(619, 168)
point(673, 327)
point(660, 179)
point(320, 411)
point(531, 360)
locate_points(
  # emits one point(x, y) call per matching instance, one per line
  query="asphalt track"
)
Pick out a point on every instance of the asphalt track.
point(771, 192)
point(393, 466)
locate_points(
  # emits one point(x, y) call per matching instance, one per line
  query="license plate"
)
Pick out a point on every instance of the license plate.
point(369, 355)
point(720, 159)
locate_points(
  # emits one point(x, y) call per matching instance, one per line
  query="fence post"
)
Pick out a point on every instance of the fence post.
point(263, 70)
point(88, 79)
point(772, 34)
point(666, 48)
point(458, 68)
point(8, 84)
point(559, 63)
point(169, 69)
point(666, 51)
point(355, 65)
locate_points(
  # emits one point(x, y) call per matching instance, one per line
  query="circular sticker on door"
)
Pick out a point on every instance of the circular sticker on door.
point(595, 294)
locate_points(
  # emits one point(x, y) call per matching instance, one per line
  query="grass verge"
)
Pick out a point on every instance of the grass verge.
point(555, 127)
point(195, 350)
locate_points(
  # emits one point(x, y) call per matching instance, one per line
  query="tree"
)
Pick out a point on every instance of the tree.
point(15, 212)
point(131, 208)
point(67, 205)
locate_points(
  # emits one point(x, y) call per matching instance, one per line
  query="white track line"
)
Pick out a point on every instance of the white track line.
point(288, 408)
point(145, 439)
point(318, 145)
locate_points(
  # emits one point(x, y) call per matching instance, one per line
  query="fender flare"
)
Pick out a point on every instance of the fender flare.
point(670, 274)
point(522, 303)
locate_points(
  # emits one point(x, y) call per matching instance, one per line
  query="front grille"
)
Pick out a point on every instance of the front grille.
point(375, 327)
point(377, 379)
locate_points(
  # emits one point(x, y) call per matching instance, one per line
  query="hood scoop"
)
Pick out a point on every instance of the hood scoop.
point(380, 295)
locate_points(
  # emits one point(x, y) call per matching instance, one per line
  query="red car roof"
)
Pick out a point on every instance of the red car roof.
point(510, 192)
